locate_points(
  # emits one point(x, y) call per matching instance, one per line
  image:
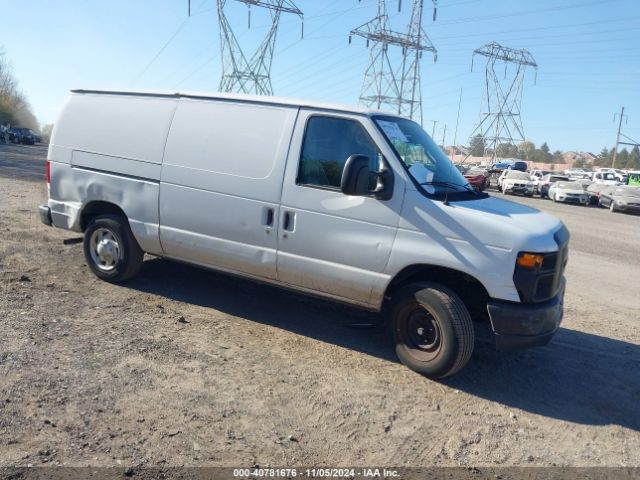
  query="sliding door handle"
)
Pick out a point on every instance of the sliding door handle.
point(289, 221)
point(269, 219)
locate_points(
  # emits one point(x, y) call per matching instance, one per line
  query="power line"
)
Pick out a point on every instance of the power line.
point(550, 27)
point(524, 12)
point(164, 47)
point(155, 57)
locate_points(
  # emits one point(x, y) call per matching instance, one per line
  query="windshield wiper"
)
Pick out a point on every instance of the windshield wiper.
point(452, 186)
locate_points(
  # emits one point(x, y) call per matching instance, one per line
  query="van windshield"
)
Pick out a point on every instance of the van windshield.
point(424, 160)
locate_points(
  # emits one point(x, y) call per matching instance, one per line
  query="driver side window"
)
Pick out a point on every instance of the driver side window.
point(328, 142)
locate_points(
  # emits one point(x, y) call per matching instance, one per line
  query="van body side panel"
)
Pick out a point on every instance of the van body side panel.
point(221, 182)
point(109, 148)
point(462, 236)
point(338, 245)
point(120, 126)
point(79, 187)
point(123, 166)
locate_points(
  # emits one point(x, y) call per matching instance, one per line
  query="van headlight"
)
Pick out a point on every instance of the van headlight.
point(530, 261)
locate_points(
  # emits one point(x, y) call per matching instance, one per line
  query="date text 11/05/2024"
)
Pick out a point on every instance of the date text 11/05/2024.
point(314, 473)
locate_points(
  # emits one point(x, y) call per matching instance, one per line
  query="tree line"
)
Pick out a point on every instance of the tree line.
point(624, 159)
point(14, 107)
point(527, 151)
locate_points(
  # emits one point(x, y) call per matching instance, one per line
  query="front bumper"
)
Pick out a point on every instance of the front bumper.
point(520, 190)
point(45, 214)
point(522, 325)
point(567, 199)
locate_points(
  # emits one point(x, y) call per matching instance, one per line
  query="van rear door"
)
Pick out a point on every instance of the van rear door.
point(220, 184)
point(330, 242)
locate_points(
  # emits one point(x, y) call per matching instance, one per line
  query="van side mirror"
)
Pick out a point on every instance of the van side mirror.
point(355, 176)
point(358, 180)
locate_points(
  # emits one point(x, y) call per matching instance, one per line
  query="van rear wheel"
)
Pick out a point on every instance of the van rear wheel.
point(111, 251)
point(432, 330)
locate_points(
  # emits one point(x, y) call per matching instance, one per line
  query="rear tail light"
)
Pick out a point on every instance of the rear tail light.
point(47, 172)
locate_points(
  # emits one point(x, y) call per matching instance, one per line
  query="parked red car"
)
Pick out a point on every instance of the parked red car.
point(478, 179)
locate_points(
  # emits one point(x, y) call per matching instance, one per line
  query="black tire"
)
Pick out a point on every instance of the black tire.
point(126, 257)
point(612, 207)
point(432, 329)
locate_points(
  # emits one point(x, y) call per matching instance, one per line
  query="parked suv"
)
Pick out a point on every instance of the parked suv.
point(24, 136)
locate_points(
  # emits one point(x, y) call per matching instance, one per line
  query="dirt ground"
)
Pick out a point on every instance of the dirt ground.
point(187, 367)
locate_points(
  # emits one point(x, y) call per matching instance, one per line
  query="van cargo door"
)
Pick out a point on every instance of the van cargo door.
point(220, 184)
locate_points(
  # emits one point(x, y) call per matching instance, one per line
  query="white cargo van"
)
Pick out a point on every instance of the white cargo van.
point(352, 205)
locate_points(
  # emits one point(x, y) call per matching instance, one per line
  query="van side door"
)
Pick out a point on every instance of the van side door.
point(331, 243)
point(221, 182)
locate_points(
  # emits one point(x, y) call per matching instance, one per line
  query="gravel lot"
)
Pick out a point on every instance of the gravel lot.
point(187, 367)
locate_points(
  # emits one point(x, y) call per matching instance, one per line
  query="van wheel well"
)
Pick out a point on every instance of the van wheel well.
point(94, 209)
point(468, 288)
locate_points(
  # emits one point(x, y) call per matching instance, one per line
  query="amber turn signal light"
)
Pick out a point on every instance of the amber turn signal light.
point(529, 260)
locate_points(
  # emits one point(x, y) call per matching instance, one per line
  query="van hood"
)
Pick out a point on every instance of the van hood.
point(505, 224)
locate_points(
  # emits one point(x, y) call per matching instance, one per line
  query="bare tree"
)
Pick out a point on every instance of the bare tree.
point(14, 107)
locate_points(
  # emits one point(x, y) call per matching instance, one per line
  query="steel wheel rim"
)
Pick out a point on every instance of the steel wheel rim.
point(104, 249)
point(420, 333)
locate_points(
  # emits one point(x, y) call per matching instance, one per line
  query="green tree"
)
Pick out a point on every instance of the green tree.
point(546, 153)
point(557, 157)
point(506, 150)
point(634, 158)
point(579, 163)
point(477, 146)
point(622, 158)
point(526, 149)
point(603, 159)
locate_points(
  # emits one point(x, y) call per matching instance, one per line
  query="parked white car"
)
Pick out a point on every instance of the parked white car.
point(352, 205)
point(568, 192)
point(578, 173)
point(516, 182)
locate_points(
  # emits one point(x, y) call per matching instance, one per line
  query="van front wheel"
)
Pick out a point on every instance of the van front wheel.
point(432, 330)
point(111, 251)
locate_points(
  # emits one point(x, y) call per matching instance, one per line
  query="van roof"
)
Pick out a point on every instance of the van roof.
point(267, 100)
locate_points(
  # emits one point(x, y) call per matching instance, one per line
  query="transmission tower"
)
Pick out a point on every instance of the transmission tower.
point(252, 75)
point(501, 123)
point(395, 84)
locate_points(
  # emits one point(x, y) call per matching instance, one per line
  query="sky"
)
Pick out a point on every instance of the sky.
point(587, 51)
